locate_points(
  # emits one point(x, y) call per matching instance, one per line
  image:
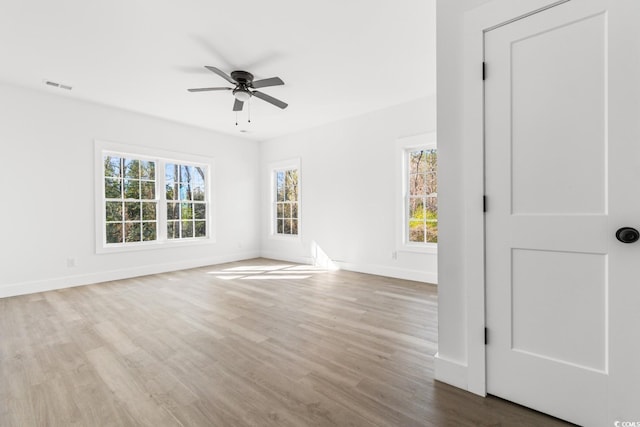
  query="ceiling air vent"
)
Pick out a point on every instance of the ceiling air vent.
point(58, 85)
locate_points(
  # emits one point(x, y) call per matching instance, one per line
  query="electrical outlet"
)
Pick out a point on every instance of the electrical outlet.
point(71, 262)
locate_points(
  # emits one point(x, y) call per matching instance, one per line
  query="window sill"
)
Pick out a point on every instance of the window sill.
point(430, 248)
point(149, 246)
point(284, 237)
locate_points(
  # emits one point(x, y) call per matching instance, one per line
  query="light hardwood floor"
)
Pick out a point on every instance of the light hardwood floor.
point(253, 343)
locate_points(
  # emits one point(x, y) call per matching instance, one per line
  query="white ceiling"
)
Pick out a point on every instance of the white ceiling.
point(338, 58)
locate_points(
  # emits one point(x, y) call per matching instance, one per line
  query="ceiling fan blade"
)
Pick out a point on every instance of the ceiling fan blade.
point(221, 74)
point(270, 99)
point(205, 89)
point(237, 105)
point(273, 81)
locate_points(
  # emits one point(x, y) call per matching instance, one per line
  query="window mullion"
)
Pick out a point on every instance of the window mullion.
point(161, 203)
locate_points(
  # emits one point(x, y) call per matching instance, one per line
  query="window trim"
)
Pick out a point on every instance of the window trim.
point(403, 146)
point(161, 157)
point(273, 168)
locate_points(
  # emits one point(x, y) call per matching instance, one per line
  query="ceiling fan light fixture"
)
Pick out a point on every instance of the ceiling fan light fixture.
point(242, 94)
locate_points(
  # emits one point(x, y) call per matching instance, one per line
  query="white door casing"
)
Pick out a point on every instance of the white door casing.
point(562, 162)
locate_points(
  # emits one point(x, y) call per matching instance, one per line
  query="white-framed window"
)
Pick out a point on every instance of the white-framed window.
point(130, 202)
point(149, 198)
point(417, 159)
point(285, 199)
point(185, 194)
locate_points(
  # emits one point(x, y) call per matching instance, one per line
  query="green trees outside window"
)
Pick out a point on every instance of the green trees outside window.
point(130, 200)
point(422, 200)
point(186, 205)
point(287, 202)
point(134, 203)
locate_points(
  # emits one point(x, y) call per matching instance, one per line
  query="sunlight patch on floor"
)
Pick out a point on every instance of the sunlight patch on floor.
point(268, 272)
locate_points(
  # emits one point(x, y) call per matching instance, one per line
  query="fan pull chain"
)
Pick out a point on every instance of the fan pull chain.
point(236, 118)
point(249, 110)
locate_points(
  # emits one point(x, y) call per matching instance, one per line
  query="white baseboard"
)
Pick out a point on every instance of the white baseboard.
point(398, 273)
point(450, 372)
point(31, 287)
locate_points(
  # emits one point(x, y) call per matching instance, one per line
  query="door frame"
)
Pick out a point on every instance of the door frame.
point(476, 23)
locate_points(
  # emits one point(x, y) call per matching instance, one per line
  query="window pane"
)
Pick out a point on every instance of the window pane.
point(171, 172)
point(185, 192)
point(148, 231)
point(416, 208)
point(280, 186)
point(432, 232)
point(432, 208)
point(292, 185)
point(149, 211)
point(131, 189)
point(287, 226)
point(186, 210)
point(187, 228)
point(173, 211)
point(416, 231)
point(280, 226)
point(198, 193)
point(132, 232)
point(279, 210)
point(186, 173)
point(112, 166)
point(417, 184)
point(131, 168)
point(432, 161)
point(294, 210)
point(132, 211)
point(173, 230)
point(113, 211)
point(148, 189)
point(416, 158)
point(172, 191)
point(147, 170)
point(200, 210)
point(112, 188)
point(114, 233)
point(294, 226)
point(198, 175)
point(201, 229)
point(423, 167)
point(287, 210)
point(431, 183)
point(287, 181)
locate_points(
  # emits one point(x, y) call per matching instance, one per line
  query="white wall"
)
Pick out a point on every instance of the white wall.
point(348, 185)
point(47, 176)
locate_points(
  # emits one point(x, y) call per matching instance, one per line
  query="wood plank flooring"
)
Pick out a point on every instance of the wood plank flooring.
point(253, 343)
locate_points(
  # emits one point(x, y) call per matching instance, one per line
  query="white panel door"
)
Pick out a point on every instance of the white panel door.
point(562, 162)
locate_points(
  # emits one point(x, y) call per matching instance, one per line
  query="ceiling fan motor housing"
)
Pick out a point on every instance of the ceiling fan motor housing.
point(243, 78)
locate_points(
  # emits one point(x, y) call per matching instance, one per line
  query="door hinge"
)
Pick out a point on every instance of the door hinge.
point(484, 71)
point(486, 336)
point(484, 203)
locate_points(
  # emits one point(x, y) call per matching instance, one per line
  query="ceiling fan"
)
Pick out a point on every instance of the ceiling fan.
point(245, 87)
